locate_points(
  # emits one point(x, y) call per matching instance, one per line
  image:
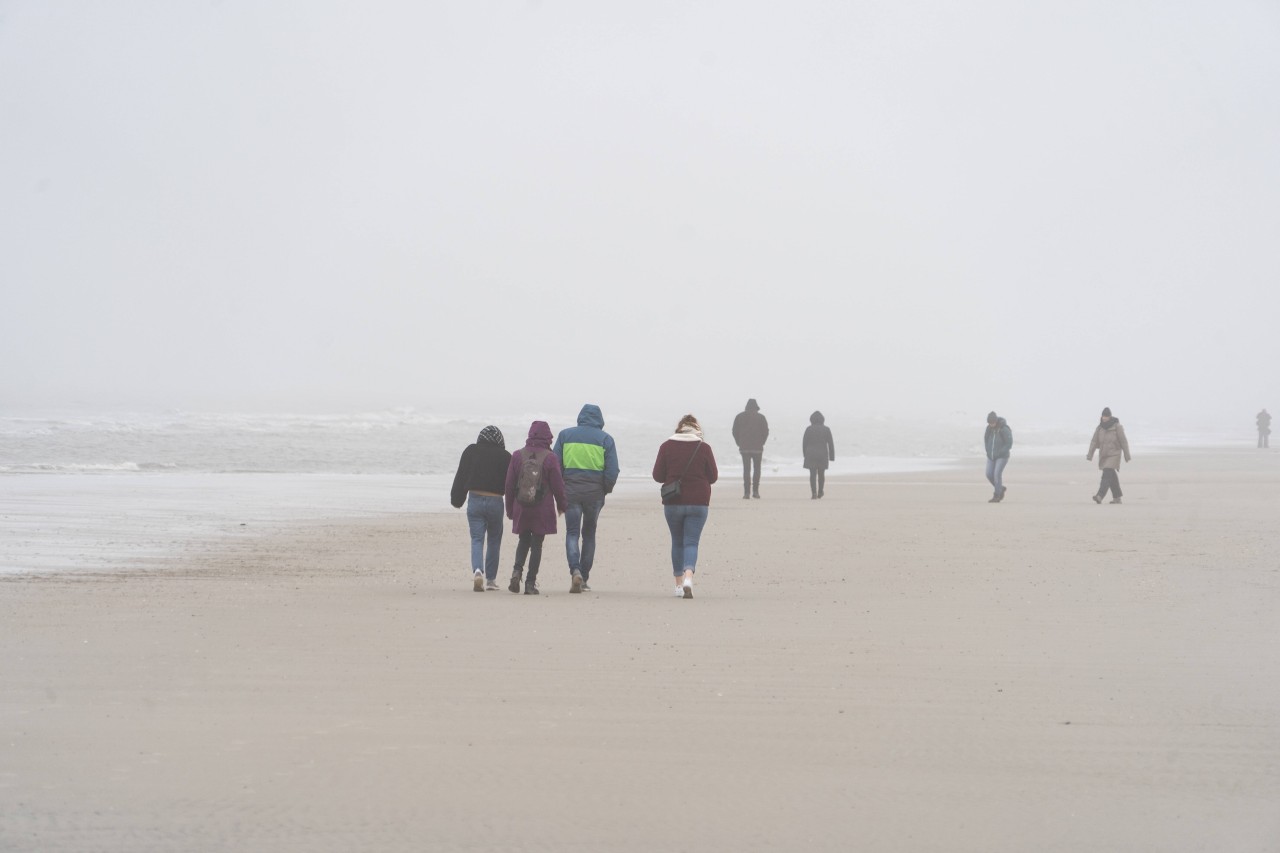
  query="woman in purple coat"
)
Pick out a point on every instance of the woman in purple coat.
point(535, 495)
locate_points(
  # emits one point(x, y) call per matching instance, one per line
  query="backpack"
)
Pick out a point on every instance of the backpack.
point(529, 483)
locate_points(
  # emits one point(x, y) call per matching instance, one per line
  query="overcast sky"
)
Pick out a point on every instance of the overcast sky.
point(922, 208)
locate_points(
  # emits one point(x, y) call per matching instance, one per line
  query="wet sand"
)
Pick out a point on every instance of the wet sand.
point(898, 667)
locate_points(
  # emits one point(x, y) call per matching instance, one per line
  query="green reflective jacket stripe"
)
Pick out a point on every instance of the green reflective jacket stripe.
point(585, 457)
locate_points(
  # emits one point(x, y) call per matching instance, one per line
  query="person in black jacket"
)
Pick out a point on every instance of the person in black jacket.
point(480, 481)
point(751, 431)
point(819, 449)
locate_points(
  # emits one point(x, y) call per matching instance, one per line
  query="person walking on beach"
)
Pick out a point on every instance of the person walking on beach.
point(751, 431)
point(1264, 429)
point(685, 459)
point(590, 462)
point(819, 449)
point(480, 482)
point(534, 495)
point(1109, 442)
point(997, 440)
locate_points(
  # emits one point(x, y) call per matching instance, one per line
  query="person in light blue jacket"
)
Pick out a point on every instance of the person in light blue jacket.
point(997, 439)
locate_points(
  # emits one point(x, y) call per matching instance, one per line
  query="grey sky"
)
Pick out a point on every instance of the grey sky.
point(860, 207)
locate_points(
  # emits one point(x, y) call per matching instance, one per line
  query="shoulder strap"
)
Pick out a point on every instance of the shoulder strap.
point(690, 462)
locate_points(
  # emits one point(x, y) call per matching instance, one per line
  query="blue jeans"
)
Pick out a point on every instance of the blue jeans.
point(686, 523)
point(580, 517)
point(995, 473)
point(484, 515)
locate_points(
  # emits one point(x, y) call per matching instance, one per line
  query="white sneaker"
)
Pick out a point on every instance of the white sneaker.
point(687, 592)
point(679, 592)
point(477, 582)
point(490, 586)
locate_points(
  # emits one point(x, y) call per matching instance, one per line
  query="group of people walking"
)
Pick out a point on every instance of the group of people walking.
point(1109, 442)
point(751, 431)
point(533, 487)
point(540, 482)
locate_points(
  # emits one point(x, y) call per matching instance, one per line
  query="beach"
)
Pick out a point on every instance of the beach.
point(900, 666)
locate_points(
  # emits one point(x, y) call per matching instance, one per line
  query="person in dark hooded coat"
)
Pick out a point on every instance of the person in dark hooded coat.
point(819, 449)
point(532, 522)
point(751, 431)
point(479, 482)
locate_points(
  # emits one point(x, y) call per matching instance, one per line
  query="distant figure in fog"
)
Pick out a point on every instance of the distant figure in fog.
point(998, 439)
point(751, 431)
point(819, 449)
point(687, 459)
point(534, 493)
point(480, 481)
point(1110, 443)
point(1264, 429)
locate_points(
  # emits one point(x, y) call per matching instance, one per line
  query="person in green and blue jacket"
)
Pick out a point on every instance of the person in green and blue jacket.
point(590, 462)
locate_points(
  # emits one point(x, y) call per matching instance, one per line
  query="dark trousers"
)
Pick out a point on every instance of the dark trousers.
point(530, 546)
point(1264, 438)
point(817, 479)
point(750, 477)
point(1110, 480)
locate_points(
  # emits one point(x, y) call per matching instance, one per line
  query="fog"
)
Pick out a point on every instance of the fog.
point(896, 207)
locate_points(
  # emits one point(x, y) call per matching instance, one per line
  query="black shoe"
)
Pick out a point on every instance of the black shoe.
point(993, 500)
point(755, 494)
point(1115, 500)
point(746, 497)
point(813, 497)
point(514, 586)
point(1003, 489)
point(531, 588)
point(821, 494)
point(1097, 499)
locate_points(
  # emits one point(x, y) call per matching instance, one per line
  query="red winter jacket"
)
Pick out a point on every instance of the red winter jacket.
point(695, 487)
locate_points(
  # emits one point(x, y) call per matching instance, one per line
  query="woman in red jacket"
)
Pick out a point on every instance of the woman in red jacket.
point(687, 459)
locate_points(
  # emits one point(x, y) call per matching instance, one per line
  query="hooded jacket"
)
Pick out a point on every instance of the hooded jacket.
point(483, 467)
point(750, 429)
point(539, 518)
point(998, 439)
point(1110, 442)
point(817, 444)
point(588, 457)
point(1264, 422)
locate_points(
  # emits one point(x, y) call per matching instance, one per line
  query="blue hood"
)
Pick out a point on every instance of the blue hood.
point(591, 416)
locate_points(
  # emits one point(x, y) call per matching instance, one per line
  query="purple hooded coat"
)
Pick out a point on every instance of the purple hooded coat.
point(541, 517)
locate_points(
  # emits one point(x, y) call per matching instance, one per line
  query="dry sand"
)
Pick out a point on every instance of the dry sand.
point(899, 667)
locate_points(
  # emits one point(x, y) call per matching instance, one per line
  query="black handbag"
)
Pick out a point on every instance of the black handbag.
point(671, 491)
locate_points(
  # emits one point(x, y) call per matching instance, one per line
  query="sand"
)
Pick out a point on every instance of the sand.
point(898, 667)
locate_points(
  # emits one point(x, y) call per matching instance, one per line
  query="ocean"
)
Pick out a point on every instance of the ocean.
point(97, 491)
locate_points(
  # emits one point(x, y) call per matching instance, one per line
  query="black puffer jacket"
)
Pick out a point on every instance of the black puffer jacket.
point(750, 429)
point(819, 448)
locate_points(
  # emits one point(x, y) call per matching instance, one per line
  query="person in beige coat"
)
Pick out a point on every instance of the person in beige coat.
point(1109, 443)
